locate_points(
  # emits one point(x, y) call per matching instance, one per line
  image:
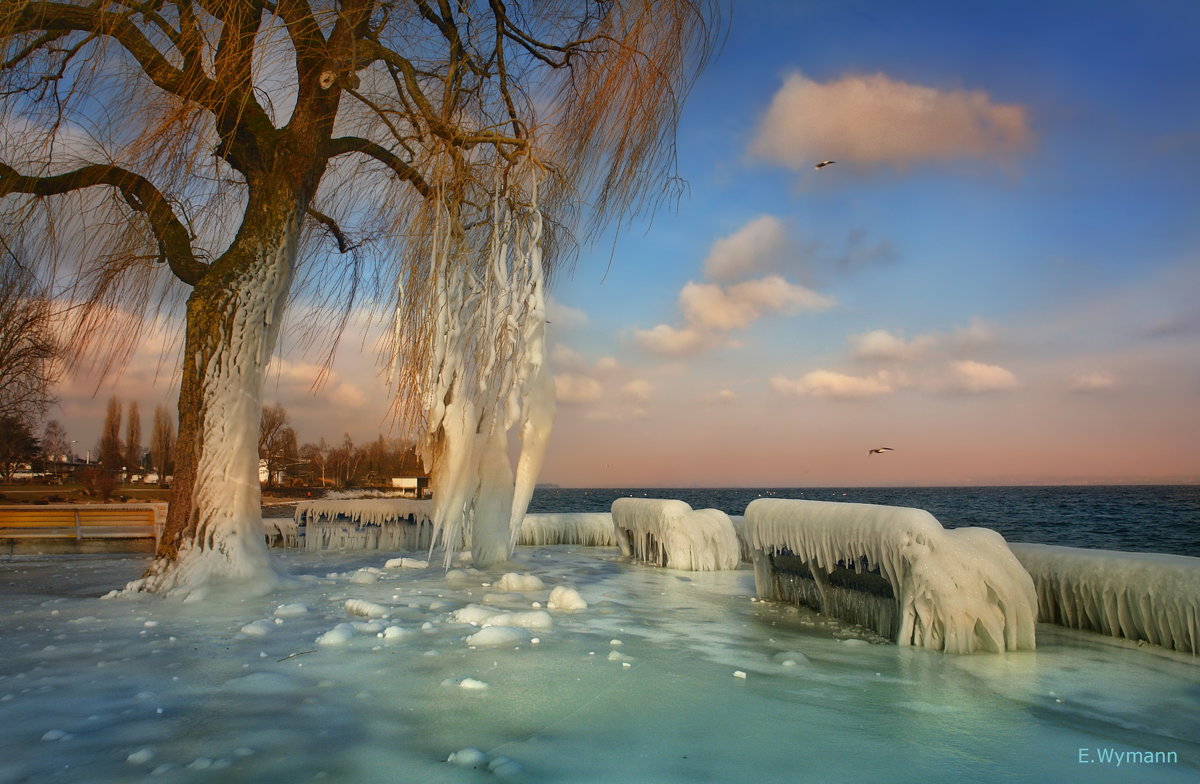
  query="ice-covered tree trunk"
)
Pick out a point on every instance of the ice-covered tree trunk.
point(214, 527)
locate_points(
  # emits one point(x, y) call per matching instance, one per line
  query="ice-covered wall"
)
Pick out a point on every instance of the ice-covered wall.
point(368, 511)
point(959, 591)
point(590, 529)
point(672, 534)
point(367, 524)
point(1140, 596)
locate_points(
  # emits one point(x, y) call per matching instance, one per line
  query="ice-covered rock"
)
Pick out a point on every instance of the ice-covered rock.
point(564, 597)
point(672, 534)
point(959, 591)
point(338, 635)
point(1139, 596)
point(406, 563)
point(294, 610)
point(259, 628)
point(520, 583)
point(364, 608)
point(495, 636)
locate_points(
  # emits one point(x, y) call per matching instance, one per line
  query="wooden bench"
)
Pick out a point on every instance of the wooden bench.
point(66, 523)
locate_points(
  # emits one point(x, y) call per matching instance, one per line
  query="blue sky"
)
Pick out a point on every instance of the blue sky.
point(999, 277)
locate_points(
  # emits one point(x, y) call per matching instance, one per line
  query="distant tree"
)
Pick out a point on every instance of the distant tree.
point(110, 451)
point(133, 439)
point(29, 352)
point(17, 445)
point(276, 441)
point(162, 443)
point(55, 445)
point(317, 456)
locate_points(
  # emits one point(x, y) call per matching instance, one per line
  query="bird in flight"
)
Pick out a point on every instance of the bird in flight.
point(823, 164)
point(881, 450)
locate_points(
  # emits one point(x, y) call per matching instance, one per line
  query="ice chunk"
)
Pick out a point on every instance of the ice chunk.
point(365, 608)
point(566, 598)
point(338, 635)
point(394, 633)
point(291, 610)
point(496, 635)
point(1139, 596)
point(520, 583)
point(405, 563)
point(958, 591)
point(140, 757)
point(473, 614)
point(258, 628)
point(672, 534)
point(534, 619)
point(468, 758)
point(470, 684)
point(589, 529)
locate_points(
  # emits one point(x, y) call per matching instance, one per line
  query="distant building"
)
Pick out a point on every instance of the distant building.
point(418, 486)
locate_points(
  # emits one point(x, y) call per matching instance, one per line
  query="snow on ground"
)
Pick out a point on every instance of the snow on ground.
point(665, 676)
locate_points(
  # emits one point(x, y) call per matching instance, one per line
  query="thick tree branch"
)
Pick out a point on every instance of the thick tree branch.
point(64, 17)
point(348, 144)
point(174, 242)
point(332, 226)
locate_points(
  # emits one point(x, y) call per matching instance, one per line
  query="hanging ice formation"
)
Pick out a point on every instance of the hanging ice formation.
point(1139, 596)
point(486, 373)
point(895, 570)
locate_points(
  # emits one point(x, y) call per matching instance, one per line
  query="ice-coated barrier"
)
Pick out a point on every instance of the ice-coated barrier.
point(896, 570)
point(366, 524)
point(1139, 596)
point(672, 534)
point(589, 529)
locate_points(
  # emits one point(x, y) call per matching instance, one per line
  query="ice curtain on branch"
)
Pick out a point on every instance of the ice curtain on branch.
point(247, 155)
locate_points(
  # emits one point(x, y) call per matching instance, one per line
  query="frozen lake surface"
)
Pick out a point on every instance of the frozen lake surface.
point(666, 676)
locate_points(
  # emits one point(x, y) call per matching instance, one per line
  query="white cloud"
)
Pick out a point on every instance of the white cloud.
point(564, 317)
point(638, 390)
point(564, 357)
point(756, 247)
point(607, 364)
point(348, 395)
point(671, 342)
point(879, 344)
point(720, 396)
point(1093, 382)
point(575, 388)
point(709, 306)
point(838, 386)
point(976, 377)
point(872, 121)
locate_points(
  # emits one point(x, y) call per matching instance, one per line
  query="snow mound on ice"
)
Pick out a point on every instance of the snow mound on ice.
point(564, 597)
point(1139, 596)
point(365, 608)
point(588, 529)
point(672, 534)
point(494, 636)
point(520, 583)
point(291, 610)
point(959, 591)
point(258, 628)
point(406, 563)
point(338, 635)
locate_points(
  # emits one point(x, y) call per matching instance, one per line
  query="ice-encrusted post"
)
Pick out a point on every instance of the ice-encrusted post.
point(957, 591)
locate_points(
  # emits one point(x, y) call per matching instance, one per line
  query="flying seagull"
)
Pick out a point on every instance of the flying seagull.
point(823, 164)
point(879, 451)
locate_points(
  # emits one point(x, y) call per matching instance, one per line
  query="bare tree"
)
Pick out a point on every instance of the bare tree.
point(56, 447)
point(133, 439)
point(28, 349)
point(110, 450)
point(276, 441)
point(162, 443)
point(237, 151)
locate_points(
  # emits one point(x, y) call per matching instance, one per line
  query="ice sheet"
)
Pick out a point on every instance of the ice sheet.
point(100, 692)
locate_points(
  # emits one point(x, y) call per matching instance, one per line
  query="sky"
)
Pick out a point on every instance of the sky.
point(999, 277)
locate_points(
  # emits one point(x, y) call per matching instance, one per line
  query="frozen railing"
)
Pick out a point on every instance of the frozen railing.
point(589, 529)
point(672, 534)
point(1139, 596)
point(366, 524)
point(895, 570)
